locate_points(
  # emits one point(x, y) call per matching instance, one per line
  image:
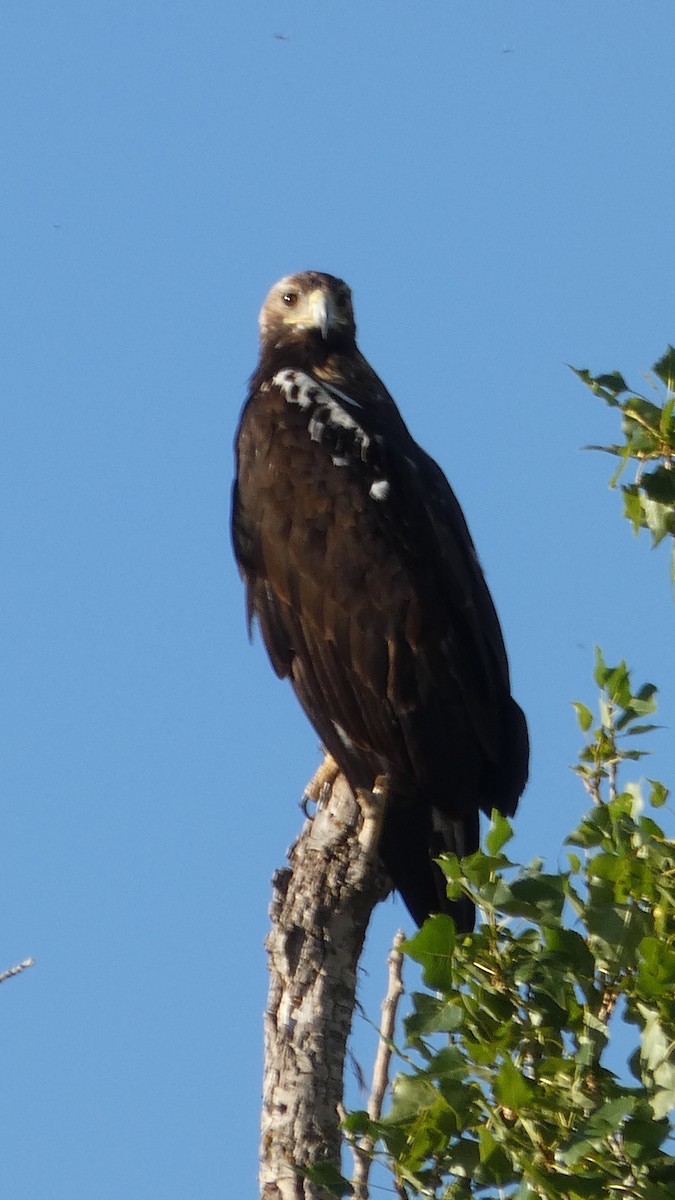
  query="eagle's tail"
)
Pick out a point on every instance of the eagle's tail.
point(408, 848)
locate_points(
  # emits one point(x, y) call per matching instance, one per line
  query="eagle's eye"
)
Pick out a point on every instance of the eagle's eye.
point(290, 298)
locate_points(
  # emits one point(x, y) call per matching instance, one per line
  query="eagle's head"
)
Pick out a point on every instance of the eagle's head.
point(307, 305)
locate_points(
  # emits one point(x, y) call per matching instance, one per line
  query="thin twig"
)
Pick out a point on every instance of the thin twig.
point(22, 966)
point(363, 1150)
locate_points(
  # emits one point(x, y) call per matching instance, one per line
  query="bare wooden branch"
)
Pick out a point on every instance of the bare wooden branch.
point(320, 911)
point(363, 1150)
point(12, 971)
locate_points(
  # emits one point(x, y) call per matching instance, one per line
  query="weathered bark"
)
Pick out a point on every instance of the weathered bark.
point(320, 912)
point(12, 971)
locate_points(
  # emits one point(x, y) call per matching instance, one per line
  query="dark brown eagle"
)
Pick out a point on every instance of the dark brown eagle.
point(363, 577)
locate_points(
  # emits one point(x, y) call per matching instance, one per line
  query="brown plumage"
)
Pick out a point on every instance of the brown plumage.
point(362, 575)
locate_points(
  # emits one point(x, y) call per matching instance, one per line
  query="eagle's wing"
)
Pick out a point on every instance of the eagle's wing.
point(474, 648)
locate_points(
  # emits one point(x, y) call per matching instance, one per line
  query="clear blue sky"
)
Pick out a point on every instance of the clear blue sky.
point(495, 181)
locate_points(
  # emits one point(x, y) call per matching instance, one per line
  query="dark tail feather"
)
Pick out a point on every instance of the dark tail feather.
point(411, 840)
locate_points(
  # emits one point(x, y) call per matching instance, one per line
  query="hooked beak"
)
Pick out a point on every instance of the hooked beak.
point(320, 312)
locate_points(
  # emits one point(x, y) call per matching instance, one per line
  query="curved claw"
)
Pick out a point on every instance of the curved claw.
point(320, 784)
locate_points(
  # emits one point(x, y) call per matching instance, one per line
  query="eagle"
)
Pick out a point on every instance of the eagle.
point(362, 576)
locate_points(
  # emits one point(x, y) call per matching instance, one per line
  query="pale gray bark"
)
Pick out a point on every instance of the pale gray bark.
point(12, 971)
point(320, 911)
point(363, 1149)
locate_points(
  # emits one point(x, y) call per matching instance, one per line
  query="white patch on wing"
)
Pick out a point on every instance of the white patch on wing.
point(379, 490)
point(339, 460)
point(343, 736)
point(299, 388)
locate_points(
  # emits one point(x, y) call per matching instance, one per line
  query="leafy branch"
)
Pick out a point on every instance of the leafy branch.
point(648, 429)
point(621, 716)
point(507, 1091)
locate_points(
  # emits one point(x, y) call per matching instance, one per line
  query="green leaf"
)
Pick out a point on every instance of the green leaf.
point(432, 946)
point(610, 1117)
point(495, 1166)
point(665, 368)
point(357, 1122)
point(570, 949)
point(606, 386)
point(499, 833)
point(604, 1122)
point(658, 518)
point(643, 1136)
point(411, 1095)
point(660, 485)
point(512, 1089)
point(637, 730)
point(655, 1045)
point(659, 793)
point(449, 1064)
point(617, 685)
point(433, 1015)
point(658, 1062)
point(601, 671)
point(656, 970)
point(632, 507)
point(646, 696)
point(667, 422)
point(584, 715)
point(325, 1176)
point(463, 1158)
point(542, 895)
point(614, 382)
point(642, 420)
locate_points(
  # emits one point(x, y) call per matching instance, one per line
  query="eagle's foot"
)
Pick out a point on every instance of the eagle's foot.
point(373, 805)
point(320, 784)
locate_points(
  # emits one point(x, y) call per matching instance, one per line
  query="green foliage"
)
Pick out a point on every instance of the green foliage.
point(649, 439)
point(622, 716)
point(507, 1090)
